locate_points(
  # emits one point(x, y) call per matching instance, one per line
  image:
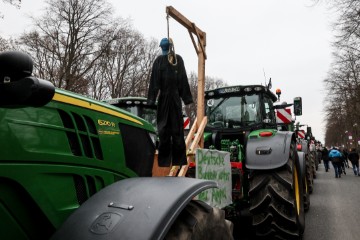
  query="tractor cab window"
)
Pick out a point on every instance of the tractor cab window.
point(233, 112)
point(269, 111)
point(132, 109)
point(149, 114)
point(144, 111)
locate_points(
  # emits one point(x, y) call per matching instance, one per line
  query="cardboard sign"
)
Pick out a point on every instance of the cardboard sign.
point(215, 165)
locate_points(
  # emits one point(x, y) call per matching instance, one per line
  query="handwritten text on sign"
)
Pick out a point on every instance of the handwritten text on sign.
point(215, 165)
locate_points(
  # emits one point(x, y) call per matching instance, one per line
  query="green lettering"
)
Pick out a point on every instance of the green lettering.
point(218, 195)
point(200, 157)
point(203, 196)
point(223, 175)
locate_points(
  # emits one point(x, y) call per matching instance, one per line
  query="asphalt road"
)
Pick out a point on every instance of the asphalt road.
point(334, 207)
point(334, 212)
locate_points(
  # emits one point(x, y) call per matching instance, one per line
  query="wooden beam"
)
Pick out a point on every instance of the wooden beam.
point(198, 137)
point(184, 21)
point(193, 41)
point(190, 26)
point(191, 134)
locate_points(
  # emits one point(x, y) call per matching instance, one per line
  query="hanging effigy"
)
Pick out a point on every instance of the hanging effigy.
point(168, 86)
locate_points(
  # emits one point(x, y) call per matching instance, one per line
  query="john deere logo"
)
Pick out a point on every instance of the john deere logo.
point(106, 123)
point(105, 223)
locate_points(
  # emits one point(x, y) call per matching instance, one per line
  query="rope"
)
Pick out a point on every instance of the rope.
point(167, 19)
point(171, 54)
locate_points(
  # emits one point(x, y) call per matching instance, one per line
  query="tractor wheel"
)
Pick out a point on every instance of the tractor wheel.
point(306, 189)
point(309, 174)
point(316, 162)
point(200, 221)
point(277, 201)
point(306, 196)
point(313, 167)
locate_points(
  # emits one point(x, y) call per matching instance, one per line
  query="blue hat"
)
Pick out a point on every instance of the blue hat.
point(165, 45)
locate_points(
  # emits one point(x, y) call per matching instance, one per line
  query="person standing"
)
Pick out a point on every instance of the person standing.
point(343, 160)
point(325, 158)
point(354, 159)
point(345, 153)
point(336, 159)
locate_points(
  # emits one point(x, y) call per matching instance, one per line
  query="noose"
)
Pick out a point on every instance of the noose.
point(171, 54)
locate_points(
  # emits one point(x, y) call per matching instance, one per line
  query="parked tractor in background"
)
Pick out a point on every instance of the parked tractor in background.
point(285, 121)
point(136, 105)
point(69, 162)
point(307, 146)
point(268, 176)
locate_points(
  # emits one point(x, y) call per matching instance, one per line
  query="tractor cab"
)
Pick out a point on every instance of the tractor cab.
point(234, 112)
point(137, 106)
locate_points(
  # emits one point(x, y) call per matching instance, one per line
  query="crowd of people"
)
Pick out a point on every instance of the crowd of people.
point(339, 158)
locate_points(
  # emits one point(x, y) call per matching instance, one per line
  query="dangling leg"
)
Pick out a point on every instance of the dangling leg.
point(177, 135)
point(164, 158)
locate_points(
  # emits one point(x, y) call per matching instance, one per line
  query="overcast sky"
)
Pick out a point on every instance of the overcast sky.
point(288, 40)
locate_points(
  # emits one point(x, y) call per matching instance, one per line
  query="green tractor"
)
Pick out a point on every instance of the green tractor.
point(288, 124)
point(268, 174)
point(75, 168)
point(137, 106)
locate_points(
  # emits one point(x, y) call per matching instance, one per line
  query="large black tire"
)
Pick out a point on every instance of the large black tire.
point(313, 164)
point(306, 196)
point(277, 201)
point(200, 221)
point(309, 174)
point(316, 161)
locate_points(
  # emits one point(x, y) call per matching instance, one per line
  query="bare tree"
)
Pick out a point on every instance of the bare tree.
point(342, 103)
point(126, 65)
point(68, 40)
point(210, 83)
point(16, 3)
point(150, 50)
point(8, 44)
point(3, 44)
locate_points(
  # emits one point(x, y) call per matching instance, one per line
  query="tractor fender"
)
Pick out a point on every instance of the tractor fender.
point(302, 163)
point(304, 146)
point(264, 153)
point(134, 208)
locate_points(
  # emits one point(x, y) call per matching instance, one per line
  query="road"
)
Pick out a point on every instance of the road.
point(334, 207)
point(334, 212)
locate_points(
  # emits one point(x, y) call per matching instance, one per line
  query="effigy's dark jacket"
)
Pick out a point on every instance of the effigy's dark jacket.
point(171, 84)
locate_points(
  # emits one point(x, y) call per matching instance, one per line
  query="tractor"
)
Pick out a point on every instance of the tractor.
point(306, 146)
point(75, 168)
point(285, 121)
point(268, 174)
point(136, 105)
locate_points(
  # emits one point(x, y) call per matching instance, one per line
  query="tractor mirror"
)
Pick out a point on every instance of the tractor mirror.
point(297, 106)
point(308, 130)
point(14, 65)
point(26, 92)
point(17, 87)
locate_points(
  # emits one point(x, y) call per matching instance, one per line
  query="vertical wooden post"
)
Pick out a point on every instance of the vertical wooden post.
point(201, 86)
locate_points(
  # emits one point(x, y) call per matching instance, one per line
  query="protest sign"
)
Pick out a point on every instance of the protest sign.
point(215, 165)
